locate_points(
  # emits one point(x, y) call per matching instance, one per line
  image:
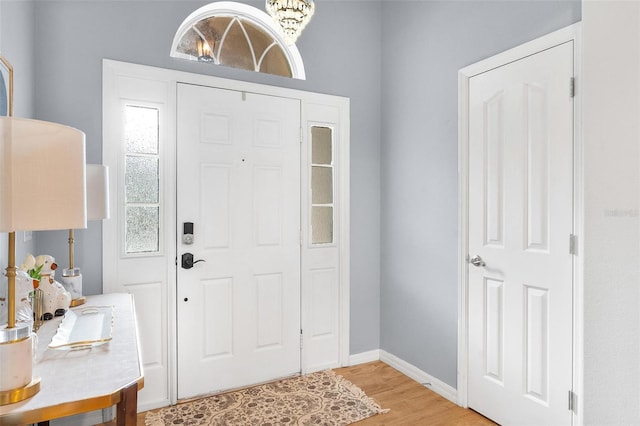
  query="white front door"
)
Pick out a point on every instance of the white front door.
point(520, 223)
point(238, 182)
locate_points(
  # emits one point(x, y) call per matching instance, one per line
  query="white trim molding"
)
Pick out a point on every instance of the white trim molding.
point(364, 357)
point(409, 370)
point(425, 379)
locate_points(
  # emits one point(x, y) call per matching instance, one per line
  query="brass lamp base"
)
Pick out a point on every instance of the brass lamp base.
point(20, 394)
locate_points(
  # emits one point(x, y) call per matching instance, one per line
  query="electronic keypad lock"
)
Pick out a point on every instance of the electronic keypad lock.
point(187, 233)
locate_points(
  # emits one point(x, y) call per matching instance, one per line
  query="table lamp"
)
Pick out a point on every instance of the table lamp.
point(97, 209)
point(38, 162)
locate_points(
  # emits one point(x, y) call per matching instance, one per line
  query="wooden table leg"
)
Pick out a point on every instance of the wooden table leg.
point(127, 408)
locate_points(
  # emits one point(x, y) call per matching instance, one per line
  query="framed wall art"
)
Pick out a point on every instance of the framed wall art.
point(6, 88)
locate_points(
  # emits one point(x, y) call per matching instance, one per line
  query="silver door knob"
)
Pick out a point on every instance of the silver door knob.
point(477, 261)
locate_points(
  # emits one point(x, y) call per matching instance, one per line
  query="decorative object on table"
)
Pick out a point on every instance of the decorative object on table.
point(83, 328)
point(29, 266)
point(32, 272)
point(37, 305)
point(97, 209)
point(40, 273)
point(322, 398)
point(24, 290)
point(25, 146)
point(56, 298)
point(291, 16)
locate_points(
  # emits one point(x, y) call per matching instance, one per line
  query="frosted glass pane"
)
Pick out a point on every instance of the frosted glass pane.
point(235, 50)
point(321, 185)
point(141, 129)
point(260, 40)
point(142, 229)
point(141, 179)
point(321, 225)
point(321, 145)
point(275, 62)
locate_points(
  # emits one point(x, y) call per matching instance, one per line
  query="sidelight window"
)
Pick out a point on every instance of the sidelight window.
point(322, 178)
point(142, 180)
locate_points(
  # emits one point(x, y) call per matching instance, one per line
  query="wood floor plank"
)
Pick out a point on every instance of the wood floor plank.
point(410, 403)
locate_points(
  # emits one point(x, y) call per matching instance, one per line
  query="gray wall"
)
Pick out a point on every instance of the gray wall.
point(422, 51)
point(74, 36)
point(17, 41)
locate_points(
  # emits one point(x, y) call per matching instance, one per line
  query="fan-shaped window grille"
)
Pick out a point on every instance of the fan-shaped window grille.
point(239, 36)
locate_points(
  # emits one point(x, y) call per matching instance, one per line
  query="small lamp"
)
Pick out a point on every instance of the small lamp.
point(38, 160)
point(97, 209)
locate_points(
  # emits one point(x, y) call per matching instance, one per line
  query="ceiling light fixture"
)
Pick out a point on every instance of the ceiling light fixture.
point(291, 15)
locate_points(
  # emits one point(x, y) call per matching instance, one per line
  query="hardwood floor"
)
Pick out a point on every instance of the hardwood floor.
point(409, 402)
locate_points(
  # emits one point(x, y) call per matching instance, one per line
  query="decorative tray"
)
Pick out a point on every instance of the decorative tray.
point(84, 328)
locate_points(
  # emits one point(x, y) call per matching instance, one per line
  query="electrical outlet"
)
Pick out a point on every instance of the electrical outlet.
point(28, 235)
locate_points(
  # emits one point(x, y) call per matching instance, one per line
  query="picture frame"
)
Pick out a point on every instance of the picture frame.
point(6, 87)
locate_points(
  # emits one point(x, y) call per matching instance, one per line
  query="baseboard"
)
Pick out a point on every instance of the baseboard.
point(364, 357)
point(152, 405)
point(420, 376)
point(85, 419)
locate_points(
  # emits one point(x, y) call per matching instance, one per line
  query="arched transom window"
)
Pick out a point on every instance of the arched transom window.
point(239, 36)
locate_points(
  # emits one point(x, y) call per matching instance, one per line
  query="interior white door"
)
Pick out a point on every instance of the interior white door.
point(520, 223)
point(238, 182)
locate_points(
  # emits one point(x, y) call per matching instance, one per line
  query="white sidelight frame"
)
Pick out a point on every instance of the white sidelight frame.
point(138, 84)
point(570, 33)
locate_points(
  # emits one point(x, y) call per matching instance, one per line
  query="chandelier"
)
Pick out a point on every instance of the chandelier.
point(291, 15)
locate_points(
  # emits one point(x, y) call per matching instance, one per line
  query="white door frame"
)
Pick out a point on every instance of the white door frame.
point(160, 85)
point(555, 38)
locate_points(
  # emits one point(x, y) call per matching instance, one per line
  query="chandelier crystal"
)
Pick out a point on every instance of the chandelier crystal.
point(291, 15)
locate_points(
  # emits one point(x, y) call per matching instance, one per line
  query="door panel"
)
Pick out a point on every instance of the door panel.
point(520, 221)
point(239, 183)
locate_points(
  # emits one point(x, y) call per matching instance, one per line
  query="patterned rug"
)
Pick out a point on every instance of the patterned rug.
point(322, 398)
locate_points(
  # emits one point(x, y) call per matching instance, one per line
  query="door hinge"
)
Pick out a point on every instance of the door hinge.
point(301, 135)
point(572, 87)
point(573, 401)
point(573, 244)
point(300, 338)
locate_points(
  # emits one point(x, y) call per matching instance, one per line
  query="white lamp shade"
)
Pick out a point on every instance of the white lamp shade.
point(97, 192)
point(42, 176)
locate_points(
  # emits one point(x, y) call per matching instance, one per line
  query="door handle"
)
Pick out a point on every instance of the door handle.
point(188, 262)
point(476, 261)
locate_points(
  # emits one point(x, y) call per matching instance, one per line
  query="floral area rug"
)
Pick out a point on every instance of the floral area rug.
point(322, 398)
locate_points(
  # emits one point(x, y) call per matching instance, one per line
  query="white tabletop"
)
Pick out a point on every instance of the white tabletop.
point(76, 381)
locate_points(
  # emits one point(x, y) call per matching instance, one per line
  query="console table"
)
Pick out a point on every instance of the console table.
point(83, 380)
